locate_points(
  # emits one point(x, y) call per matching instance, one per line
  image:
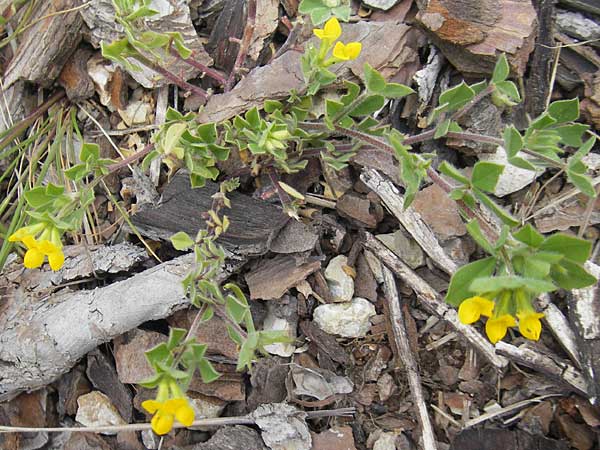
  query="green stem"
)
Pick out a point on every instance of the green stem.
point(351, 107)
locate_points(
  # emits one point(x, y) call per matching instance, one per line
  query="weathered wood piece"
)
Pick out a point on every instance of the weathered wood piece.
point(44, 48)
point(590, 6)
point(254, 223)
point(42, 339)
point(471, 33)
point(409, 218)
point(551, 366)
point(387, 46)
point(432, 301)
point(173, 16)
point(271, 279)
point(584, 312)
point(404, 353)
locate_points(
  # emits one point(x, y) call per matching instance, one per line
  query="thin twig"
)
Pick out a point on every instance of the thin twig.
point(171, 76)
point(244, 44)
point(132, 158)
point(212, 73)
point(587, 216)
point(432, 301)
point(219, 421)
point(404, 354)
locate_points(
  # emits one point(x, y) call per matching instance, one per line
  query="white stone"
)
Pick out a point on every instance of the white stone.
point(206, 408)
point(386, 441)
point(576, 24)
point(349, 319)
point(340, 283)
point(96, 410)
point(406, 248)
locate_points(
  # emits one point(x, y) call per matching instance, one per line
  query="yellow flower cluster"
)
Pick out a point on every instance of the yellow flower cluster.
point(41, 240)
point(341, 52)
point(499, 321)
point(170, 404)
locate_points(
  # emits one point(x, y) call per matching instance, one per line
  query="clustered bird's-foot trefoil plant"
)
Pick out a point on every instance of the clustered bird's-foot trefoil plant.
point(281, 136)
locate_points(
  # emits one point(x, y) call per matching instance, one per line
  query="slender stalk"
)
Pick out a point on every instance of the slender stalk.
point(244, 44)
point(32, 117)
point(171, 76)
point(125, 162)
point(466, 108)
point(212, 73)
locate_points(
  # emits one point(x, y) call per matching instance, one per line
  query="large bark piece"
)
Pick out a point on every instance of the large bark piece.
point(387, 46)
point(471, 33)
point(44, 48)
point(584, 312)
point(254, 223)
point(40, 339)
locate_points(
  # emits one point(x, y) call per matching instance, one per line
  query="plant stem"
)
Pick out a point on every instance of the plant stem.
point(124, 162)
point(212, 73)
point(244, 44)
point(466, 108)
point(351, 106)
point(32, 117)
point(171, 76)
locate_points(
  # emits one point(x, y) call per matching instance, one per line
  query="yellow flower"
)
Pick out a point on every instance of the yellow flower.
point(330, 32)
point(49, 245)
point(166, 412)
point(496, 327)
point(530, 325)
point(346, 52)
point(471, 309)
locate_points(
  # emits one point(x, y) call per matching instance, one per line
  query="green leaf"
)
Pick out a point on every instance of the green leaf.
point(181, 241)
point(158, 354)
point(564, 110)
point(368, 106)
point(542, 122)
point(529, 235)
point(509, 89)
point(506, 282)
point(448, 169)
point(207, 371)
point(486, 175)
point(571, 247)
point(502, 70)
point(396, 90)
point(570, 275)
point(502, 214)
point(475, 231)
point(247, 351)
point(582, 182)
point(522, 163)
point(456, 97)
point(571, 134)
point(441, 129)
point(513, 141)
point(458, 290)
point(374, 81)
point(175, 337)
point(89, 152)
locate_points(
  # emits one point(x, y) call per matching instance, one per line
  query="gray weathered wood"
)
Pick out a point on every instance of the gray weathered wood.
point(44, 48)
point(432, 301)
point(254, 223)
point(40, 339)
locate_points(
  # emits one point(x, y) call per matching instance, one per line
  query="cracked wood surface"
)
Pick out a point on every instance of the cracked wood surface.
point(42, 339)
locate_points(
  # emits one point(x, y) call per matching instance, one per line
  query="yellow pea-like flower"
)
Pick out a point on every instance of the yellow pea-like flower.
point(471, 309)
point(497, 327)
point(166, 412)
point(346, 52)
point(330, 32)
point(530, 325)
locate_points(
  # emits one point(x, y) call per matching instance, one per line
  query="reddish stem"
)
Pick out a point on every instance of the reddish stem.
point(244, 44)
point(212, 73)
point(136, 156)
point(172, 77)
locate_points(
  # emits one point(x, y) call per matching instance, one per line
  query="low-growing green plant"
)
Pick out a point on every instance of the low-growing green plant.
point(281, 137)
